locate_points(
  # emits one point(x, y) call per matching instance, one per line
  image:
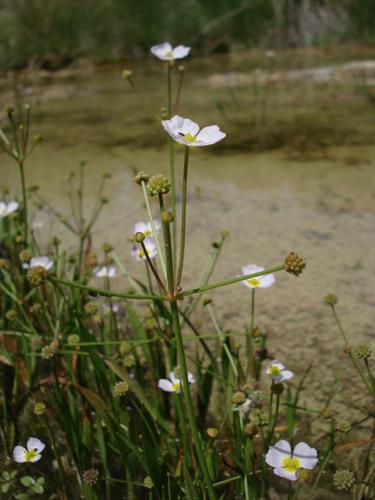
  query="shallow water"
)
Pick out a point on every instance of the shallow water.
point(321, 206)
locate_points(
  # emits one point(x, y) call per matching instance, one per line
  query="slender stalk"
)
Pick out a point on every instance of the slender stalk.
point(24, 198)
point(153, 228)
point(171, 162)
point(105, 293)
point(153, 270)
point(251, 363)
point(230, 281)
point(183, 217)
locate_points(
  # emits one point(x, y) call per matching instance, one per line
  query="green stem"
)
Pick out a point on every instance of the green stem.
point(171, 162)
point(105, 293)
point(24, 197)
point(277, 406)
point(230, 281)
point(183, 216)
point(251, 364)
point(188, 401)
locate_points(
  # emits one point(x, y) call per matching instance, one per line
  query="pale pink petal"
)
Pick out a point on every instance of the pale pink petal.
point(277, 453)
point(35, 444)
point(210, 135)
point(181, 51)
point(286, 375)
point(165, 385)
point(19, 454)
point(308, 456)
point(281, 472)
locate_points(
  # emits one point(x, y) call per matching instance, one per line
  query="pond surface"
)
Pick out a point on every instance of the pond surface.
point(320, 205)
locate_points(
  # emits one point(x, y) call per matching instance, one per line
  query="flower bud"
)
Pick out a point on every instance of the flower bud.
point(37, 138)
point(37, 275)
point(141, 177)
point(294, 264)
point(167, 217)
point(56, 241)
point(139, 237)
point(303, 475)
point(127, 73)
point(212, 432)
point(277, 388)
point(10, 110)
point(206, 300)
point(129, 361)
point(25, 255)
point(238, 398)
point(343, 479)
point(73, 339)
point(158, 184)
point(330, 299)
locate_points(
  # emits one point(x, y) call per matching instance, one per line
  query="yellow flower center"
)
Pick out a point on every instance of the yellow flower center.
point(176, 387)
point(30, 455)
point(141, 253)
point(275, 371)
point(291, 464)
point(169, 53)
point(190, 138)
point(254, 282)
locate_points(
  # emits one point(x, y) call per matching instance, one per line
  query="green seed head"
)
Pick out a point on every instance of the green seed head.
point(343, 479)
point(212, 432)
point(167, 217)
point(363, 351)
point(330, 299)
point(344, 426)
point(121, 388)
point(238, 398)
point(148, 482)
point(139, 237)
point(327, 413)
point(91, 308)
point(158, 184)
point(73, 339)
point(25, 255)
point(39, 408)
point(37, 275)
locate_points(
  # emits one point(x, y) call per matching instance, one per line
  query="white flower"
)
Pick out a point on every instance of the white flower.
point(145, 228)
point(270, 54)
point(31, 454)
point(174, 384)
point(138, 253)
point(166, 52)
point(278, 372)
point(39, 261)
point(264, 281)
point(105, 272)
point(286, 463)
point(187, 132)
point(8, 208)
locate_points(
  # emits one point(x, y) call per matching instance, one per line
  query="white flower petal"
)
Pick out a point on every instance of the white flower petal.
point(165, 385)
point(266, 281)
point(307, 456)
point(174, 378)
point(41, 261)
point(286, 375)
point(19, 454)
point(191, 378)
point(35, 444)
point(36, 458)
point(277, 453)
point(12, 207)
point(281, 472)
point(210, 135)
point(181, 51)
point(161, 50)
point(277, 364)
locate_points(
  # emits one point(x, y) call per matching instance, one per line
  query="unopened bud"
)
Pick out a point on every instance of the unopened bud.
point(212, 432)
point(238, 398)
point(139, 237)
point(167, 217)
point(141, 177)
point(330, 299)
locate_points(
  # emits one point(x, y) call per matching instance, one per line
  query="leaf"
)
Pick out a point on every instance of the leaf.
point(140, 334)
point(38, 488)
point(27, 481)
point(96, 401)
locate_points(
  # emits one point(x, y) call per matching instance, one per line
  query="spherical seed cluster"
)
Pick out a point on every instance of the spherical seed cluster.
point(330, 299)
point(344, 479)
point(303, 475)
point(238, 398)
point(39, 408)
point(91, 259)
point(125, 348)
point(327, 413)
point(344, 426)
point(158, 184)
point(50, 350)
point(121, 388)
point(25, 255)
point(73, 339)
point(90, 476)
point(212, 432)
point(37, 275)
point(148, 482)
point(294, 264)
point(363, 351)
point(91, 308)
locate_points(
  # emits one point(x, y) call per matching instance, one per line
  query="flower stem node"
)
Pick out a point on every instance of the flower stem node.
point(238, 398)
point(139, 237)
point(212, 432)
point(37, 275)
point(158, 184)
point(167, 217)
point(330, 299)
point(362, 351)
point(294, 264)
point(277, 388)
point(344, 479)
point(141, 177)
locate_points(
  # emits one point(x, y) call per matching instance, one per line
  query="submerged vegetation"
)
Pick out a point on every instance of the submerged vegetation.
point(111, 393)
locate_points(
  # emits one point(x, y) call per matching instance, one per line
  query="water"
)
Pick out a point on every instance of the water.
point(321, 206)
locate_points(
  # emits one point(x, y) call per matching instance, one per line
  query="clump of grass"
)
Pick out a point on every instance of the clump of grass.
point(117, 392)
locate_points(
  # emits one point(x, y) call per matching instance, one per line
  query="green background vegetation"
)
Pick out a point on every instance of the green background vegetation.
point(53, 33)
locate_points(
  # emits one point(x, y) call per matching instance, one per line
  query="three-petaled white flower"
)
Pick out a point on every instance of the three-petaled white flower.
point(187, 132)
point(32, 452)
point(264, 281)
point(286, 463)
point(105, 271)
point(145, 228)
point(278, 372)
point(38, 261)
point(8, 208)
point(174, 384)
point(166, 52)
point(138, 252)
